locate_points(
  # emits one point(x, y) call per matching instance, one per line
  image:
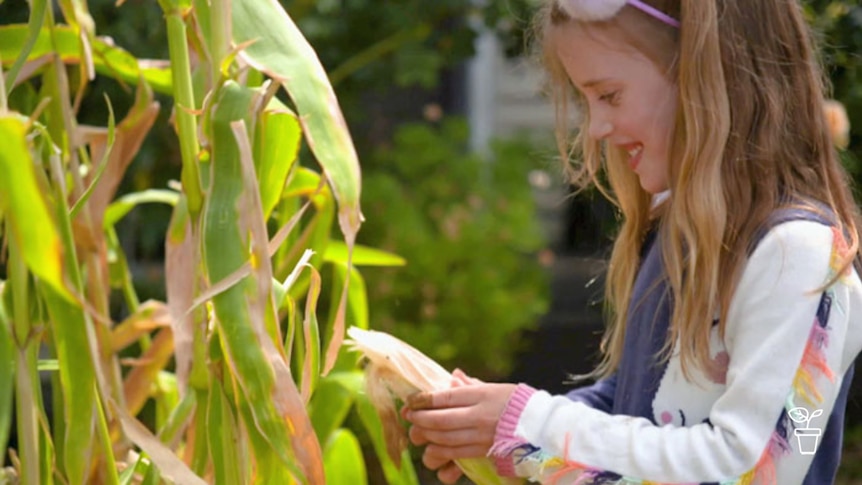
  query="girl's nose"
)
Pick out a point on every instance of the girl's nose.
point(600, 129)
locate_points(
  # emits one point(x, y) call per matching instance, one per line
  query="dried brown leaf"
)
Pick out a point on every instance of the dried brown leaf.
point(169, 465)
point(129, 136)
point(151, 315)
point(138, 384)
point(180, 283)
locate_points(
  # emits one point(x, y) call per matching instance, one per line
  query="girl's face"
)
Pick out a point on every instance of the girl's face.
point(631, 103)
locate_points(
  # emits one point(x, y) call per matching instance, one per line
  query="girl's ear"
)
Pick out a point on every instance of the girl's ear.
point(591, 10)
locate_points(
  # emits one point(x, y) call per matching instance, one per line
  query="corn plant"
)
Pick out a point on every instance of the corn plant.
point(244, 371)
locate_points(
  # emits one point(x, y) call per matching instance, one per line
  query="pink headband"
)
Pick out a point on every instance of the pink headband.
point(595, 10)
point(654, 12)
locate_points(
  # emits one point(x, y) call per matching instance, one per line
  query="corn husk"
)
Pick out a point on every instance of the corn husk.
point(394, 371)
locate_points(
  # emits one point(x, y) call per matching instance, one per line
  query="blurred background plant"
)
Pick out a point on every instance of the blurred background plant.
point(468, 229)
point(839, 27)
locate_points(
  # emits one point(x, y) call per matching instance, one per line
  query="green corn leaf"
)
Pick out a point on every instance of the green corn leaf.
point(336, 252)
point(34, 26)
point(7, 372)
point(311, 365)
point(167, 397)
point(303, 182)
point(72, 343)
point(48, 365)
point(127, 477)
point(200, 453)
point(357, 310)
point(315, 234)
point(343, 460)
point(179, 417)
point(279, 49)
point(223, 431)
point(170, 6)
point(76, 375)
point(276, 149)
point(77, 14)
point(25, 207)
point(104, 435)
point(268, 466)
point(122, 206)
point(264, 379)
point(332, 401)
point(108, 60)
point(47, 453)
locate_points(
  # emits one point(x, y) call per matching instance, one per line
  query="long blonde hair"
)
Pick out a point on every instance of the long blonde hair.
point(750, 134)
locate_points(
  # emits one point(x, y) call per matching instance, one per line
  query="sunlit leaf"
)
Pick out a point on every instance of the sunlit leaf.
point(25, 207)
point(109, 60)
point(37, 19)
point(343, 460)
point(122, 206)
point(332, 402)
point(276, 148)
point(336, 251)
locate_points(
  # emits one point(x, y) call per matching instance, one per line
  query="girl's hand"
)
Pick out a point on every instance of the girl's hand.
point(456, 423)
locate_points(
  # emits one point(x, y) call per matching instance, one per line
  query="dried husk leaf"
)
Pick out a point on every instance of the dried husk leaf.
point(396, 370)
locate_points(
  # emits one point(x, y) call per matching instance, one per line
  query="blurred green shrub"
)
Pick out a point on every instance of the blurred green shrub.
point(838, 24)
point(469, 232)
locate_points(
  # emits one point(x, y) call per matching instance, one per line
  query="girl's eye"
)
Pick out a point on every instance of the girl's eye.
point(611, 97)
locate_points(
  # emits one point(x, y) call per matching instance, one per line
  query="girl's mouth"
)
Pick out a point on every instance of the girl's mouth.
point(635, 153)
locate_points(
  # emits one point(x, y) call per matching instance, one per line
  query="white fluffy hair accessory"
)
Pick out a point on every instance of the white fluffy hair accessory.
point(597, 10)
point(592, 10)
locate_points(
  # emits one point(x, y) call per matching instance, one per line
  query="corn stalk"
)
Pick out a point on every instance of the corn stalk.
point(260, 390)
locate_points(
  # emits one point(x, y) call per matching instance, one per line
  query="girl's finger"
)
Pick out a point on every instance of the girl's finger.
point(443, 419)
point(439, 455)
point(449, 398)
point(433, 461)
point(461, 377)
point(458, 437)
point(449, 473)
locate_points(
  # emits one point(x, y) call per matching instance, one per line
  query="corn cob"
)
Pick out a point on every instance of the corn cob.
point(395, 370)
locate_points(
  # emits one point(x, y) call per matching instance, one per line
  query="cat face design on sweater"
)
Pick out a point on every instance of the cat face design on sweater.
point(709, 385)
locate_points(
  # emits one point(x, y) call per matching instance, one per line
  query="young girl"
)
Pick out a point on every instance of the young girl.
point(735, 309)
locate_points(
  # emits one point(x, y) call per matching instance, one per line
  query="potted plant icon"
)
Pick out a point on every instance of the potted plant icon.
point(807, 437)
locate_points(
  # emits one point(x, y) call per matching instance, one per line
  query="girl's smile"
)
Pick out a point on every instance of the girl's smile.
point(634, 150)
